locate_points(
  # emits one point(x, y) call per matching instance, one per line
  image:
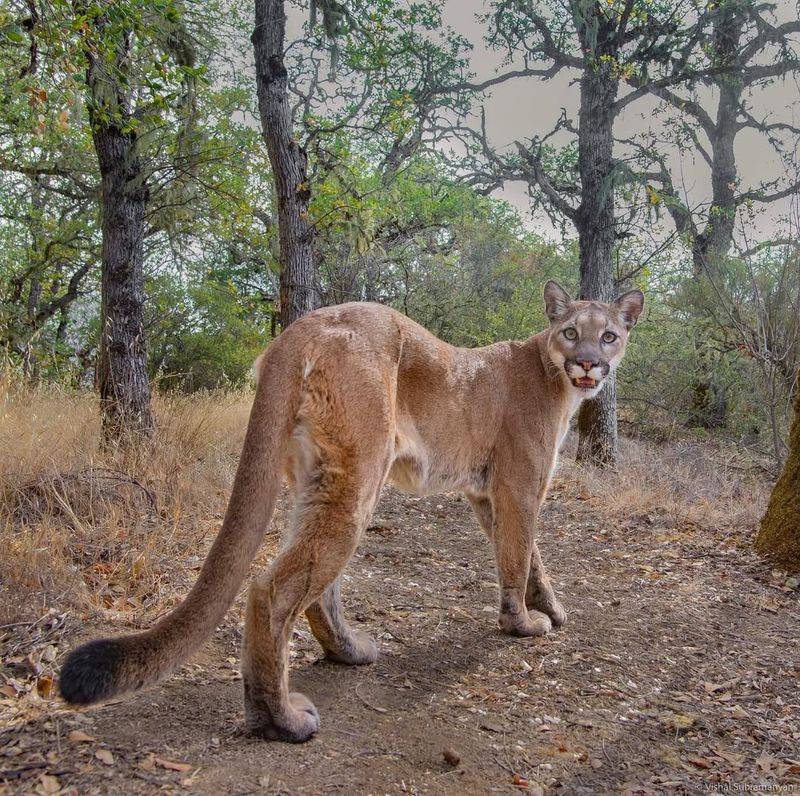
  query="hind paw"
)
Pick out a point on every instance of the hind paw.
point(552, 607)
point(295, 722)
point(359, 651)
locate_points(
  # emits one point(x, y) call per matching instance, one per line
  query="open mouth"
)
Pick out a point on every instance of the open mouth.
point(585, 382)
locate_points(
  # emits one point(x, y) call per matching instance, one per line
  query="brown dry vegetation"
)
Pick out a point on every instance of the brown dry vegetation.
point(100, 541)
point(679, 481)
point(92, 528)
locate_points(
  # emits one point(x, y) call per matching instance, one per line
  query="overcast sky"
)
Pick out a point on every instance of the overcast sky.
point(520, 109)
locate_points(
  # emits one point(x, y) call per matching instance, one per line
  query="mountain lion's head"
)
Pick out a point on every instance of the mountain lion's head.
point(588, 338)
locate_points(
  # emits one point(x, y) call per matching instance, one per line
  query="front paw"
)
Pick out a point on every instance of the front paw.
point(529, 623)
point(550, 606)
point(295, 721)
point(557, 614)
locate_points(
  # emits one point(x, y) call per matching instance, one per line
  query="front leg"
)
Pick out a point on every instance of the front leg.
point(514, 521)
point(539, 593)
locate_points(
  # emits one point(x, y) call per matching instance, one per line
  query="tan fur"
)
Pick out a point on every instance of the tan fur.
point(349, 398)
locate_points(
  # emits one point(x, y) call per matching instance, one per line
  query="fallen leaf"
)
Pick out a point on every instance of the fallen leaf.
point(700, 762)
point(739, 712)
point(767, 604)
point(44, 686)
point(149, 763)
point(680, 722)
point(105, 756)
point(733, 758)
point(765, 762)
point(172, 765)
point(79, 736)
point(48, 654)
point(521, 782)
point(451, 756)
point(49, 784)
point(714, 687)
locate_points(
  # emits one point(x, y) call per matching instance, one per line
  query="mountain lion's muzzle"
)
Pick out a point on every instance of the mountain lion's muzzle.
point(585, 372)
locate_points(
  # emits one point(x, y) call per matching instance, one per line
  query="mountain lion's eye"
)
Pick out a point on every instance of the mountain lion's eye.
point(570, 333)
point(609, 337)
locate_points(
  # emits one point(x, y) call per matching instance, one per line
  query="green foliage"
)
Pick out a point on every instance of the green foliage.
point(395, 222)
point(202, 334)
point(209, 194)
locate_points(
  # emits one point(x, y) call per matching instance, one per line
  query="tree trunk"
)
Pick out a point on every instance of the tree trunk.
point(370, 277)
point(597, 419)
point(122, 364)
point(29, 359)
point(779, 535)
point(122, 368)
point(288, 161)
point(711, 246)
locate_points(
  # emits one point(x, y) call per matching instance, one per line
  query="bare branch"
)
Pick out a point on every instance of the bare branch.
point(753, 74)
point(767, 34)
point(549, 48)
point(770, 244)
point(533, 160)
point(466, 85)
point(658, 88)
point(766, 198)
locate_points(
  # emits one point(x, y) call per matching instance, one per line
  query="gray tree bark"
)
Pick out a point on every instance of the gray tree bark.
point(712, 244)
point(287, 158)
point(122, 367)
point(595, 222)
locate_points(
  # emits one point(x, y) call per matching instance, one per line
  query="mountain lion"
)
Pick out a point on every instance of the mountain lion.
point(348, 398)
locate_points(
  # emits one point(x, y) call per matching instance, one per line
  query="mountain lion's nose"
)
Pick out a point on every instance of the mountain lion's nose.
point(587, 365)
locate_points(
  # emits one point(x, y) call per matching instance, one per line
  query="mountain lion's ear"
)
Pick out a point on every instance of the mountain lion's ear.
point(556, 300)
point(630, 306)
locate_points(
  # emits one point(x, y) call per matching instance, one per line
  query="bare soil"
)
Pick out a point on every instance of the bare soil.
point(678, 671)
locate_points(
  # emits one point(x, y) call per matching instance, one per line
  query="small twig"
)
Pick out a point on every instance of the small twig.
point(368, 703)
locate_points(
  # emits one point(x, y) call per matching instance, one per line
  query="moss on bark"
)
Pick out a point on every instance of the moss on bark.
point(779, 536)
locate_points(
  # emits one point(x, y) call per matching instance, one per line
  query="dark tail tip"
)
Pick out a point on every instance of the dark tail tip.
point(92, 672)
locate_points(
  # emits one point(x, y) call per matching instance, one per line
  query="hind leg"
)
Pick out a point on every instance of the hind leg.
point(539, 593)
point(324, 538)
point(343, 457)
point(298, 576)
point(327, 621)
point(512, 534)
point(482, 507)
point(341, 643)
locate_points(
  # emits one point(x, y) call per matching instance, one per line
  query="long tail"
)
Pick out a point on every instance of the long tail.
point(100, 669)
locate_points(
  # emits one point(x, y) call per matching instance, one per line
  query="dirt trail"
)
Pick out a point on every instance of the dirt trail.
point(679, 668)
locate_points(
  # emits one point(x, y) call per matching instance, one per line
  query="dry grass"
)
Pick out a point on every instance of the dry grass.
point(677, 482)
point(95, 528)
point(124, 533)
